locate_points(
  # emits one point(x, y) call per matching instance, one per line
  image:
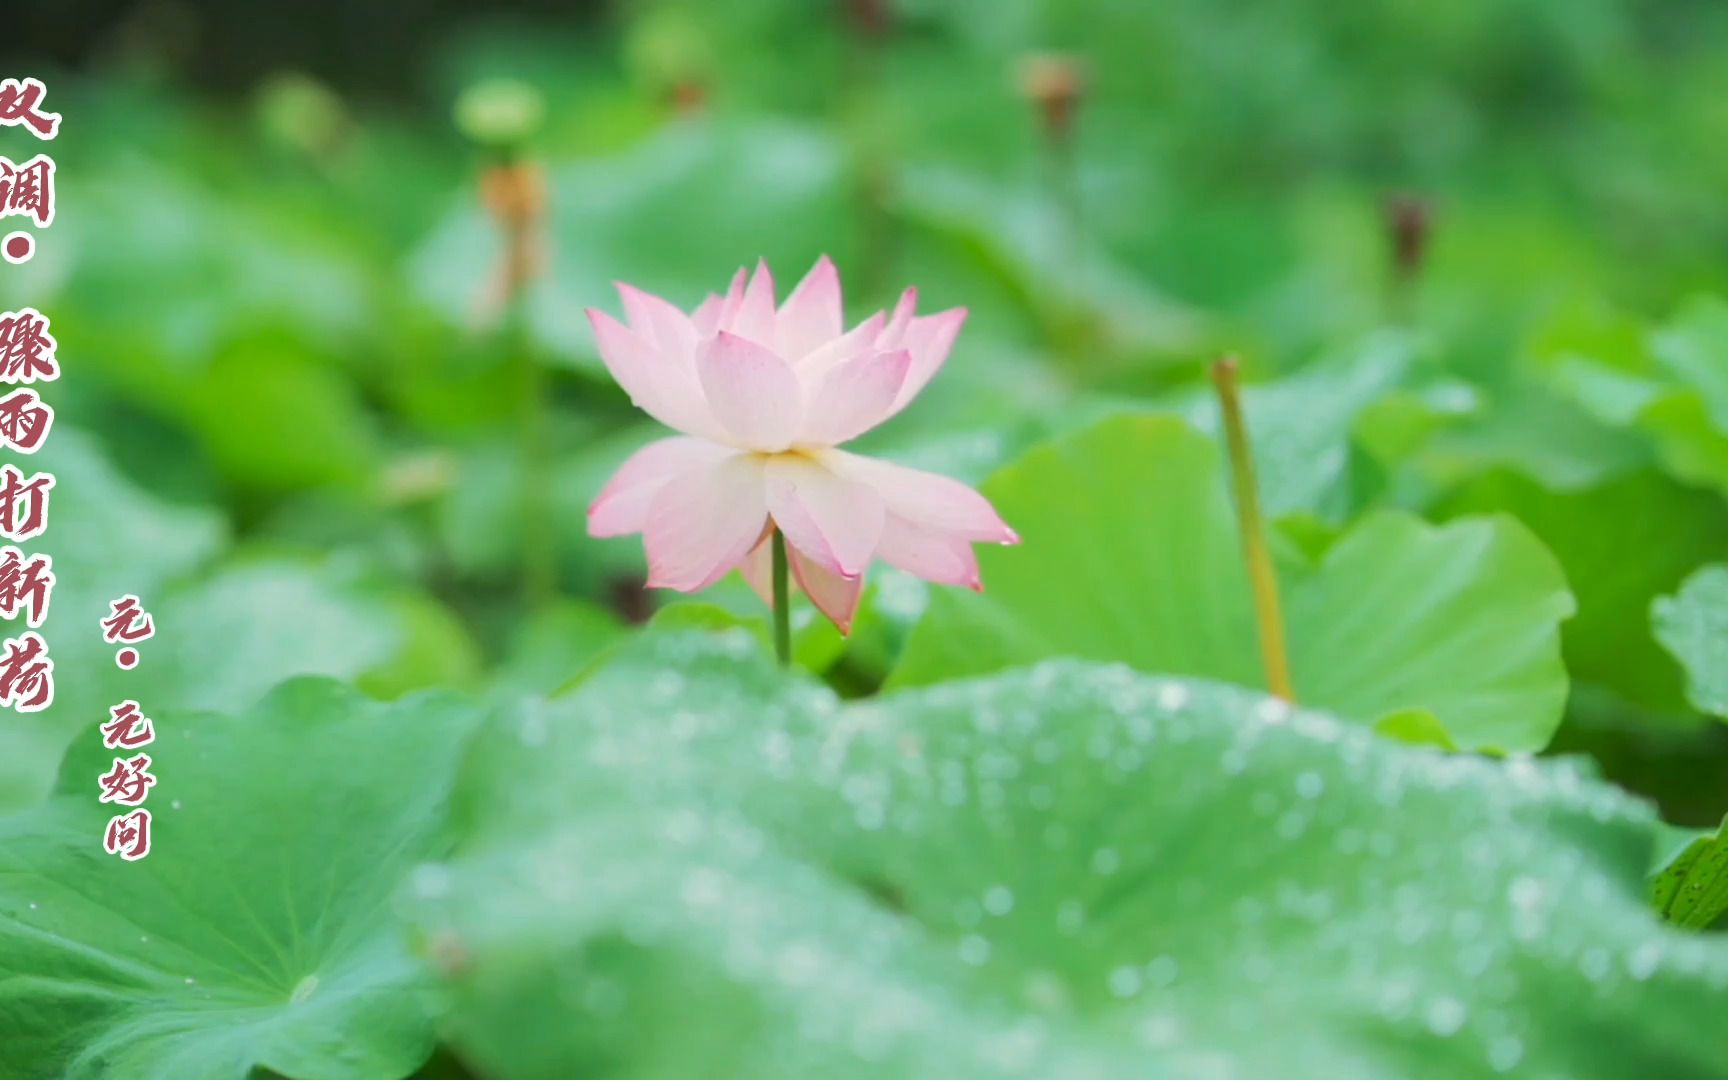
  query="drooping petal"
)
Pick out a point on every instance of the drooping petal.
point(758, 569)
point(924, 499)
point(621, 508)
point(834, 521)
point(658, 322)
point(657, 383)
point(929, 339)
point(835, 596)
point(928, 553)
point(810, 317)
point(703, 522)
point(853, 397)
point(752, 392)
point(753, 318)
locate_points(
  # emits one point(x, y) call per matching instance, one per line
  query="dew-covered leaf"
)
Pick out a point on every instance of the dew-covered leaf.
point(257, 933)
point(1692, 890)
point(815, 641)
point(1131, 553)
point(1693, 626)
point(691, 864)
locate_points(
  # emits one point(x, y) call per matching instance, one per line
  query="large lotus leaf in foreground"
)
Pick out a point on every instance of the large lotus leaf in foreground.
point(694, 865)
point(1131, 553)
point(258, 932)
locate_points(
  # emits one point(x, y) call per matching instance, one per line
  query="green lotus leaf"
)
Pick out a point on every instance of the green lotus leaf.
point(1692, 890)
point(1300, 426)
point(224, 633)
point(1672, 387)
point(107, 538)
point(1693, 626)
point(257, 932)
point(1131, 553)
point(692, 864)
point(1672, 527)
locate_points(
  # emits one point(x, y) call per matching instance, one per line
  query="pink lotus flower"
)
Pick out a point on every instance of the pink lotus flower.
point(764, 396)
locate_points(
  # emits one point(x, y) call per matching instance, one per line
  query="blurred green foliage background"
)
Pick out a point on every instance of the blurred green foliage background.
point(277, 293)
point(1472, 255)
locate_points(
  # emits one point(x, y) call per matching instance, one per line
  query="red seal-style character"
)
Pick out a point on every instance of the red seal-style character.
point(128, 782)
point(26, 674)
point(27, 189)
point(127, 621)
point(26, 347)
point(20, 103)
point(129, 729)
point(23, 503)
point(24, 420)
point(128, 835)
point(26, 584)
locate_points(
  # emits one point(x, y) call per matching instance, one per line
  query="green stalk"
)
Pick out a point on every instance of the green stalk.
point(1408, 223)
point(539, 556)
point(869, 166)
point(539, 553)
point(782, 602)
point(1261, 575)
point(1064, 168)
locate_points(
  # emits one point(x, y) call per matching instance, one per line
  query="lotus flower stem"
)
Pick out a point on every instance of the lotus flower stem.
point(1055, 83)
point(501, 116)
point(539, 556)
point(1261, 574)
point(782, 602)
point(513, 190)
point(868, 28)
point(1409, 221)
